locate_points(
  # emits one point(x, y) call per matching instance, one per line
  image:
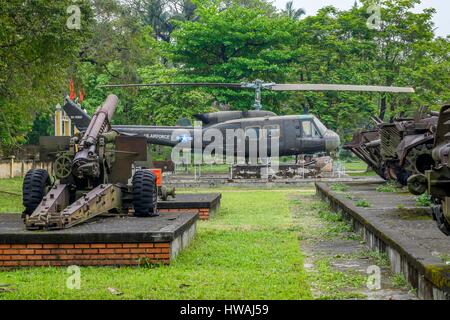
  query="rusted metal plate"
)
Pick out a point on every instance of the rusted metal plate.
point(135, 147)
point(50, 146)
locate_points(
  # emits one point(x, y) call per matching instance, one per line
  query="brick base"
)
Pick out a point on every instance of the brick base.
point(95, 254)
point(203, 213)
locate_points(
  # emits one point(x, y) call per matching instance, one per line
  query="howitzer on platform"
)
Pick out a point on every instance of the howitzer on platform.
point(437, 180)
point(91, 176)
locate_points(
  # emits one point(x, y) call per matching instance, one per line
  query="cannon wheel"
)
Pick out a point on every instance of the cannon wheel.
point(35, 187)
point(145, 194)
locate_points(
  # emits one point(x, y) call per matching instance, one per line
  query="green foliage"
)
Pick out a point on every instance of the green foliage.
point(37, 51)
point(399, 281)
point(223, 41)
point(424, 200)
point(362, 203)
point(8, 202)
point(340, 187)
point(389, 186)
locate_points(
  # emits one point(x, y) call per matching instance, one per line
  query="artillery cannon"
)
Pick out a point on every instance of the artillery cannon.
point(92, 170)
point(437, 180)
point(398, 150)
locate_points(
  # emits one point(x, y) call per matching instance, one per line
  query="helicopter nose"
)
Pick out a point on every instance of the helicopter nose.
point(332, 141)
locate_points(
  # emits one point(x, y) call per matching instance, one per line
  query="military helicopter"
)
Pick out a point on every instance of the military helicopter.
point(297, 134)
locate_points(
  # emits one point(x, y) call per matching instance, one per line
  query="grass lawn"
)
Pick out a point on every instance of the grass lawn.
point(359, 166)
point(250, 250)
point(10, 202)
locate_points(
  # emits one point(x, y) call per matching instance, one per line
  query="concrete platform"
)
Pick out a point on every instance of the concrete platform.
point(104, 241)
point(206, 205)
point(395, 225)
point(211, 181)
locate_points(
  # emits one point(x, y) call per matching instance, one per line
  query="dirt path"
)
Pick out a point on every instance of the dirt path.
point(336, 259)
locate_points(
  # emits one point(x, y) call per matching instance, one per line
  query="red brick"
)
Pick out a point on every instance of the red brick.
point(82, 246)
point(145, 245)
point(34, 246)
point(50, 246)
point(18, 246)
point(19, 257)
point(58, 251)
point(10, 263)
point(137, 250)
point(114, 245)
point(26, 251)
point(74, 251)
point(106, 251)
point(98, 245)
point(66, 257)
point(10, 251)
point(5, 257)
point(162, 245)
point(153, 250)
point(121, 250)
point(163, 255)
point(5, 246)
point(89, 251)
point(130, 245)
point(34, 257)
point(45, 251)
point(66, 246)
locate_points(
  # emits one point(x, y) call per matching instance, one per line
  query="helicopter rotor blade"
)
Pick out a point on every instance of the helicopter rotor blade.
point(338, 87)
point(181, 84)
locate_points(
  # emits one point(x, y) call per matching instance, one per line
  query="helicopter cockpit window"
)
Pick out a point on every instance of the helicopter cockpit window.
point(307, 128)
point(310, 130)
point(320, 126)
point(272, 131)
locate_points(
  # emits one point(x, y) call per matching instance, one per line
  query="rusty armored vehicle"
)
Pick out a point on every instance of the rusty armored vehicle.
point(436, 181)
point(398, 149)
point(91, 175)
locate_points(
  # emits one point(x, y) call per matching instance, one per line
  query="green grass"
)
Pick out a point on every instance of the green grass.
point(424, 200)
point(206, 168)
point(9, 202)
point(339, 187)
point(330, 282)
point(399, 281)
point(388, 187)
point(362, 203)
point(356, 165)
point(249, 250)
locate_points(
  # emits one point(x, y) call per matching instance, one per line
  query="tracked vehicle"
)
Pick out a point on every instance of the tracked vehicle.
point(400, 149)
point(436, 181)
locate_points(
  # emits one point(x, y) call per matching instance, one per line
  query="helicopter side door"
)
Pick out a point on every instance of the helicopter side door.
point(312, 139)
point(291, 137)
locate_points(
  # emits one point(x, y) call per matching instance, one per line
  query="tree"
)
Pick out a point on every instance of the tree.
point(233, 44)
point(293, 13)
point(36, 52)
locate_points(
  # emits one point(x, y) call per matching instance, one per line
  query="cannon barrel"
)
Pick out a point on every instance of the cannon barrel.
point(85, 162)
point(100, 121)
